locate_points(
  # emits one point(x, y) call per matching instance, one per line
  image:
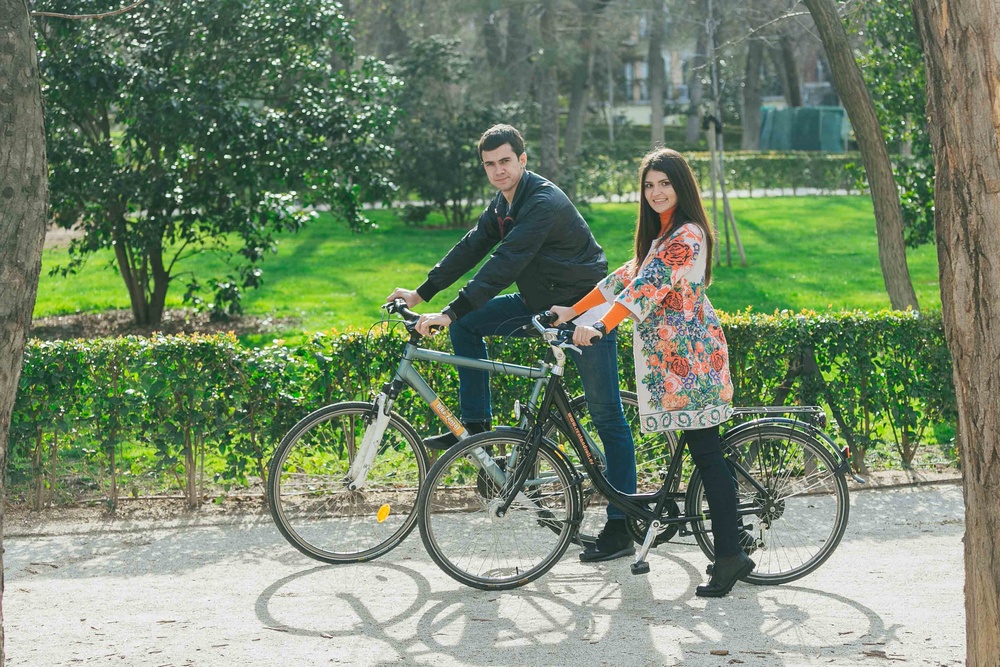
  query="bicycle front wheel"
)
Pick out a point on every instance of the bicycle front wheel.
point(311, 501)
point(459, 522)
point(793, 504)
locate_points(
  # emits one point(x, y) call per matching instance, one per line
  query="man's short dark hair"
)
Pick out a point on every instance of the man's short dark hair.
point(497, 136)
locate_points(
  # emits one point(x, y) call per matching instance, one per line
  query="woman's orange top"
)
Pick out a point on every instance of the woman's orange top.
point(618, 312)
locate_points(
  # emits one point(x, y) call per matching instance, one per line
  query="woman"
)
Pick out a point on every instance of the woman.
point(681, 358)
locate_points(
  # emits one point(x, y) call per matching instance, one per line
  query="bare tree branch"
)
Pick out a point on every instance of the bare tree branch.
point(82, 17)
point(754, 31)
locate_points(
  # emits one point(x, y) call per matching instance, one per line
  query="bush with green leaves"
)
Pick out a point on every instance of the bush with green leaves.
point(893, 66)
point(206, 126)
point(194, 411)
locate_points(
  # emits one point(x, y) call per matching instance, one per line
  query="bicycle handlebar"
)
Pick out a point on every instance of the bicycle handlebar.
point(409, 317)
point(561, 336)
point(399, 306)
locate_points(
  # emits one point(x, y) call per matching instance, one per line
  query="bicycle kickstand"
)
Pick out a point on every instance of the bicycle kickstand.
point(640, 566)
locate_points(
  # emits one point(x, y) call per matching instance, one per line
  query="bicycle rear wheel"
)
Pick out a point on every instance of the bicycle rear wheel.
point(653, 453)
point(460, 527)
point(309, 498)
point(794, 505)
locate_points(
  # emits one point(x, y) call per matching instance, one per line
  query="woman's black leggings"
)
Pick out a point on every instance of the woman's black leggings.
point(705, 446)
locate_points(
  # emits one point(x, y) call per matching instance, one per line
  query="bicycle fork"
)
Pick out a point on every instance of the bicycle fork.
point(357, 475)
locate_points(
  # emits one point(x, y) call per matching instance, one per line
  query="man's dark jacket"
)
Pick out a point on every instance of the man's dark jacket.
point(545, 246)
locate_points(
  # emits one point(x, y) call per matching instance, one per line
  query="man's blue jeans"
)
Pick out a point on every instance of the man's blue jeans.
point(598, 367)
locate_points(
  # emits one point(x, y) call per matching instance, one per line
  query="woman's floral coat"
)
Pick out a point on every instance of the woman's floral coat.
point(681, 357)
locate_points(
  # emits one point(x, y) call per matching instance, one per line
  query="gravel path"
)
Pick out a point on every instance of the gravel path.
point(232, 592)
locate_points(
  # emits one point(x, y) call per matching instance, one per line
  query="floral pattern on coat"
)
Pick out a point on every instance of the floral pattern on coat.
point(681, 356)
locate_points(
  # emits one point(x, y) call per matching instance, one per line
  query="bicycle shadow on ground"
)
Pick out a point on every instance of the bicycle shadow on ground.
point(575, 614)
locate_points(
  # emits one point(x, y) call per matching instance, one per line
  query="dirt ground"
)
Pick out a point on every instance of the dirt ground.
point(120, 323)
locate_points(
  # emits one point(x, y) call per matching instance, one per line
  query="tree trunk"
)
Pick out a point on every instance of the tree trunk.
point(752, 96)
point(963, 89)
point(492, 42)
point(874, 152)
point(548, 99)
point(693, 128)
point(790, 71)
point(23, 198)
point(657, 73)
point(579, 92)
point(517, 53)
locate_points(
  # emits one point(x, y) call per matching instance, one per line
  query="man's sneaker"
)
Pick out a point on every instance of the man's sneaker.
point(446, 440)
point(612, 542)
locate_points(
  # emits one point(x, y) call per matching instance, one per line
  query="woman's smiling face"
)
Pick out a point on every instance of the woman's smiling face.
point(658, 191)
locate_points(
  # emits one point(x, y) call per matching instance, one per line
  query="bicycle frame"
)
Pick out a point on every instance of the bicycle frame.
point(407, 375)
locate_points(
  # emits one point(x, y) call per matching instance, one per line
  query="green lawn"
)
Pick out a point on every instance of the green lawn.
point(807, 252)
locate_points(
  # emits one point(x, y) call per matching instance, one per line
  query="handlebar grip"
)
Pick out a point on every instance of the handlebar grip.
point(595, 339)
point(399, 306)
point(547, 318)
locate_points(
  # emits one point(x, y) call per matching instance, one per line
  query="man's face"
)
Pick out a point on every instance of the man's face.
point(503, 167)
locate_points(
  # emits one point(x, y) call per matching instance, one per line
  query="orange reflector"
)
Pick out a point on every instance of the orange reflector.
point(383, 513)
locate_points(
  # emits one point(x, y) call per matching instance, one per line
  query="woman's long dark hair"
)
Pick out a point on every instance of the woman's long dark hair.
point(689, 207)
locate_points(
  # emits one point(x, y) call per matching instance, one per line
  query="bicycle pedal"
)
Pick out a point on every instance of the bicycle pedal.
point(641, 567)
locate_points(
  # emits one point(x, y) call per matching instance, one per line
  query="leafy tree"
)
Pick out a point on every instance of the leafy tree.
point(437, 159)
point(207, 125)
point(894, 71)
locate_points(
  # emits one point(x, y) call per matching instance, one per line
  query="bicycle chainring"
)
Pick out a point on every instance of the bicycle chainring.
point(637, 528)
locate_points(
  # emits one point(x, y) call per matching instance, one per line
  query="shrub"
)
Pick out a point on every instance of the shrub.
point(208, 407)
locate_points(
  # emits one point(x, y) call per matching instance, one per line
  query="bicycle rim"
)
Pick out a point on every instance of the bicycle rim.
point(465, 537)
point(800, 516)
point(311, 503)
point(653, 453)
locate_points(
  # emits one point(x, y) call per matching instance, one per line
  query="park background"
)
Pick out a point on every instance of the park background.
point(295, 197)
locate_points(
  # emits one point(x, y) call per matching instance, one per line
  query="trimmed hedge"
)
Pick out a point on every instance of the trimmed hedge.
point(604, 176)
point(160, 408)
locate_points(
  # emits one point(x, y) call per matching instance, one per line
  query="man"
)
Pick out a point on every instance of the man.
point(544, 245)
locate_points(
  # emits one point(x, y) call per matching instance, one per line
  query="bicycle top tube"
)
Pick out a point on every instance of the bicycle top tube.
point(414, 352)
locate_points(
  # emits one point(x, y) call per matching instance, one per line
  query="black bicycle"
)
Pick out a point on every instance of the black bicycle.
point(499, 509)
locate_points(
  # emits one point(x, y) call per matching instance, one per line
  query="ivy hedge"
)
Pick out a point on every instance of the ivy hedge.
point(177, 412)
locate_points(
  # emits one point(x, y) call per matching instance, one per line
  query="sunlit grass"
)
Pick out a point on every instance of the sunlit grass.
point(818, 253)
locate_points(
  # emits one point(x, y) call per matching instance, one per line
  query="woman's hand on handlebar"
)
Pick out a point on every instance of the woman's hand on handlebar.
point(564, 313)
point(584, 336)
point(430, 323)
point(409, 296)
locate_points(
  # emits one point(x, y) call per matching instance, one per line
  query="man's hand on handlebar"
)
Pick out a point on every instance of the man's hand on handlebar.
point(565, 313)
point(409, 296)
point(430, 323)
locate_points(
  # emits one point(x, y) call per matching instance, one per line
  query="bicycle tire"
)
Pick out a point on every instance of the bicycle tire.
point(469, 542)
point(313, 507)
point(801, 517)
point(653, 452)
